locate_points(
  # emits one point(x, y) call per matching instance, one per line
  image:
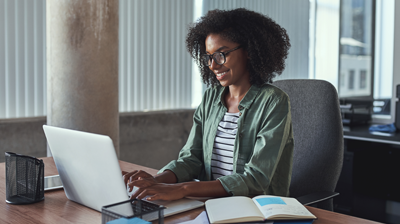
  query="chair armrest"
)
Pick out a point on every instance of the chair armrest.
point(316, 197)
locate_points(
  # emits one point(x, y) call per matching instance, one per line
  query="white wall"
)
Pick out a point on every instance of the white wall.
point(384, 40)
point(396, 56)
point(327, 41)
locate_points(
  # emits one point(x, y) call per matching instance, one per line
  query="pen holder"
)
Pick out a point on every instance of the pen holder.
point(24, 179)
point(133, 208)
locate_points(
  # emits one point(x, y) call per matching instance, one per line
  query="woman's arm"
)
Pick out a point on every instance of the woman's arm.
point(163, 186)
point(162, 191)
point(189, 163)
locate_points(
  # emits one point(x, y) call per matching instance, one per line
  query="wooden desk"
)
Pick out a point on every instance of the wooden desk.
point(56, 208)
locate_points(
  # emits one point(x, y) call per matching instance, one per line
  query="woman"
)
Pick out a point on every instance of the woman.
point(241, 141)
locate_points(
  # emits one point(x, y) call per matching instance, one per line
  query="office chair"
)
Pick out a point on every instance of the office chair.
point(318, 140)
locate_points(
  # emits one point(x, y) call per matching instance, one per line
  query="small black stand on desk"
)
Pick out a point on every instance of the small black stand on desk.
point(370, 174)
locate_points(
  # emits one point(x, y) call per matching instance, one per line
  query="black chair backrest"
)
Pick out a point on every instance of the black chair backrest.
point(318, 136)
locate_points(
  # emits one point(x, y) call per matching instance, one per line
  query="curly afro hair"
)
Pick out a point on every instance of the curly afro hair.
point(266, 43)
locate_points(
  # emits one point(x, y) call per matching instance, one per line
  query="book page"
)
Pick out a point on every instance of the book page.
point(232, 209)
point(274, 207)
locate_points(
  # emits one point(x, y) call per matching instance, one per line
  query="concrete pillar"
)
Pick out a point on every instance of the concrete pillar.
point(82, 66)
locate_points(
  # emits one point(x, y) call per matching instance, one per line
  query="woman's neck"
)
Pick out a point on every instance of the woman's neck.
point(238, 92)
point(233, 96)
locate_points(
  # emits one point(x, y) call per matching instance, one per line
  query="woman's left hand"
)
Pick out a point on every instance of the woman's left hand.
point(160, 191)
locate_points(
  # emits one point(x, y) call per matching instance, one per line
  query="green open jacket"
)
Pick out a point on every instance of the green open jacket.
point(263, 150)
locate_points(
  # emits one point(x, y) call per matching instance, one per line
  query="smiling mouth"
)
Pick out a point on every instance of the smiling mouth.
point(220, 75)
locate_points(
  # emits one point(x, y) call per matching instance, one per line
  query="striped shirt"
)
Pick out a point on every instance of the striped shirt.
point(222, 155)
point(263, 156)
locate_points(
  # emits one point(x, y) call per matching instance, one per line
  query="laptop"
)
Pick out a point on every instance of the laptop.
point(90, 173)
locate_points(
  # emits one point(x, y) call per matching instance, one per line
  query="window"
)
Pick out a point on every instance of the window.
point(355, 35)
point(351, 80)
point(356, 46)
point(363, 79)
point(149, 33)
point(342, 79)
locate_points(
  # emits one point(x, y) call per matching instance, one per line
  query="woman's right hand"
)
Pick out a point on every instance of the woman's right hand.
point(139, 178)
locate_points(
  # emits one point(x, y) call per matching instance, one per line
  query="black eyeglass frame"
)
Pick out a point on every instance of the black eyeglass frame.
point(210, 57)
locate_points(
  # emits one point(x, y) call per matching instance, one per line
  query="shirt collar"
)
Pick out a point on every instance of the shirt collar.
point(247, 100)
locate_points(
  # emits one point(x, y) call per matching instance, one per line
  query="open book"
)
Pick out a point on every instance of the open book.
point(264, 207)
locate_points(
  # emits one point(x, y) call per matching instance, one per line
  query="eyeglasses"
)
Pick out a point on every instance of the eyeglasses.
point(218, 57)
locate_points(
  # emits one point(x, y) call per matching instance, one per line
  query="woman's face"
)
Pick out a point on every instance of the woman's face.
point(234, 71)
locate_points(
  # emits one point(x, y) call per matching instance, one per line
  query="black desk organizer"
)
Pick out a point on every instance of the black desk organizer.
point(355, 111)
point(133, 208)
point(24, 179)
